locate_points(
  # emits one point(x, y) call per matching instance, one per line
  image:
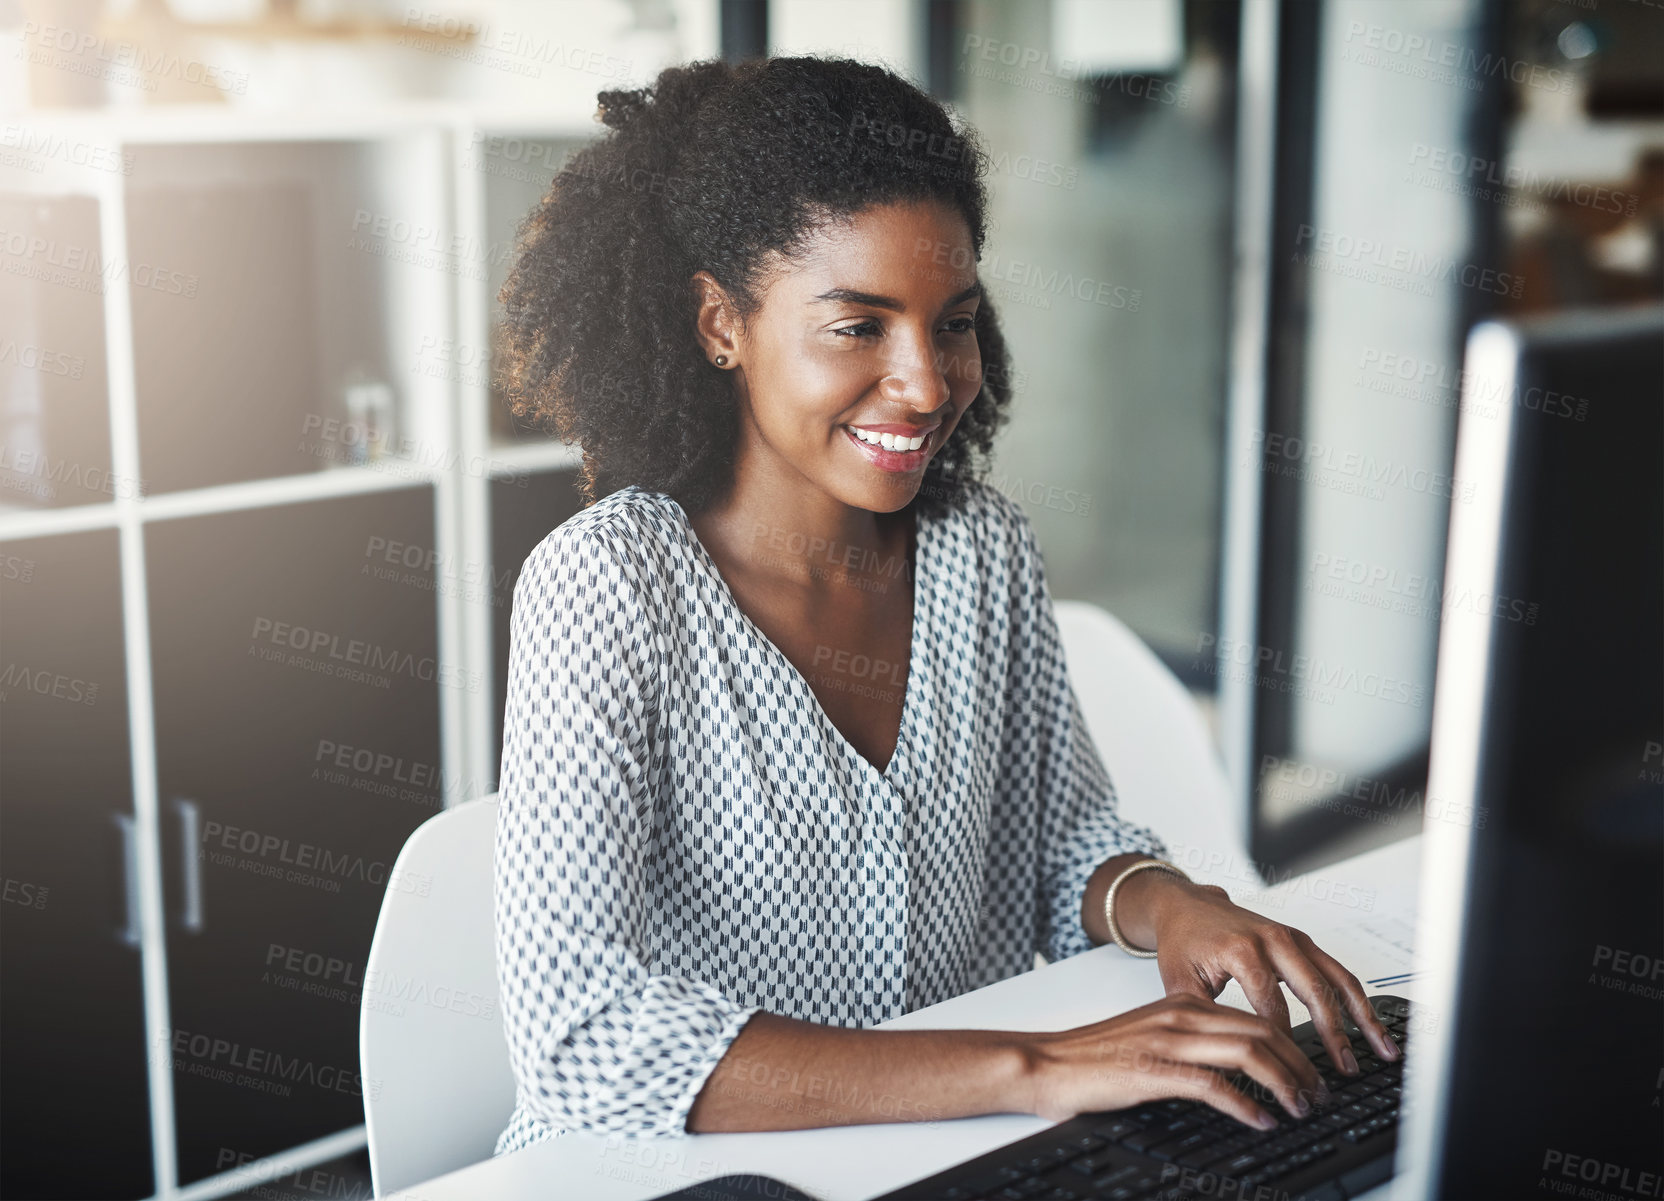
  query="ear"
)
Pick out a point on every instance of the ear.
point(716, 324)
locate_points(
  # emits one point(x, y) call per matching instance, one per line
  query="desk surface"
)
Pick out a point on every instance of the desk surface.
point(1361, 910)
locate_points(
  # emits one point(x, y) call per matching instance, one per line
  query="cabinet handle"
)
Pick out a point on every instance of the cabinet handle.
point(190, 915)
point(130, 878)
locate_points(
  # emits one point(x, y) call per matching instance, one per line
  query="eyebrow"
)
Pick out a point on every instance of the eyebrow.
point(872, 299)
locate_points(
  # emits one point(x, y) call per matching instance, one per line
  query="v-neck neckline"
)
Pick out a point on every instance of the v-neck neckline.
point(916, 641)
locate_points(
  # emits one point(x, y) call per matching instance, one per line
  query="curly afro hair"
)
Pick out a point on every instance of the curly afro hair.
point(714, 167)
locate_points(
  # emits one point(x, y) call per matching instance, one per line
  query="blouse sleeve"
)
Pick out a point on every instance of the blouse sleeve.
point(1079, 825)
point(597, 1041)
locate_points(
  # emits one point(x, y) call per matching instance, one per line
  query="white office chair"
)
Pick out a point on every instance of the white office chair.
point(1151, 736)
point(437, 1084)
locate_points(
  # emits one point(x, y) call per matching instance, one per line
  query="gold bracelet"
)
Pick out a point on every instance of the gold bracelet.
point(1109, 902)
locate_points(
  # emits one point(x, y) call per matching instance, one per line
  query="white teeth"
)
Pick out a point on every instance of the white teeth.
point(889, 441)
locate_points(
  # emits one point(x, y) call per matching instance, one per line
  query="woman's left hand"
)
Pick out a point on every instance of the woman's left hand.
point(1203, 940)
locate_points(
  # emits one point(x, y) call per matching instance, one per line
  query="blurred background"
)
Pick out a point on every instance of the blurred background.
point(262, 509)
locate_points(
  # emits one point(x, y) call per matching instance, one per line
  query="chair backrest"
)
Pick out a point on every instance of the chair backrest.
point(438, 1089)
point(1151, 735)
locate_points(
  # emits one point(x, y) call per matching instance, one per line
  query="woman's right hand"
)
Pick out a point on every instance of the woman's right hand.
point(1179, 1046)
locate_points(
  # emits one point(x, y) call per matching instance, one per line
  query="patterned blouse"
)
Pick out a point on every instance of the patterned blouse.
point(684, 837)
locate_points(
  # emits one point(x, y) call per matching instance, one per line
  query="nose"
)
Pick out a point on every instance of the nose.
point(916, 373)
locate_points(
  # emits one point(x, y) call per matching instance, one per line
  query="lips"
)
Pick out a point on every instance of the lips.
point(899, 448)
point(893, 437)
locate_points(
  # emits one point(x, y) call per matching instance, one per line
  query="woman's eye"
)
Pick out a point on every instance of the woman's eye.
point(865, 329)
point(961, 325)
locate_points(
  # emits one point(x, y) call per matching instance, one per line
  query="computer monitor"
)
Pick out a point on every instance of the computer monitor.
point(1538, 1051)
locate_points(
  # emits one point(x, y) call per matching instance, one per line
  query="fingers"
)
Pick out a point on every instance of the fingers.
point(1261, 984)
point(1319, 996)
point(1352, 995)
point(1278, 1042)
point(1209, 1087)
point(1294, 1072)
point(1255, 1058)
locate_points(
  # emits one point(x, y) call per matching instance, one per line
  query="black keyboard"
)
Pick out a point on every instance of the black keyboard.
point(1175, 1150)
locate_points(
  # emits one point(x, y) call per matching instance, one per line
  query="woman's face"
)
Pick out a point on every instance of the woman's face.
point(864, 346)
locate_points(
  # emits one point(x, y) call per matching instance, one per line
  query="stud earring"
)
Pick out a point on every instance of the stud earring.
point(721, 360)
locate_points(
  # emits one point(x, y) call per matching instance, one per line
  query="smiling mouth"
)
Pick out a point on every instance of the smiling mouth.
point(894, 452)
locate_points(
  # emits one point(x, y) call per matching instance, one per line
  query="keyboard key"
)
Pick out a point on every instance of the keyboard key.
point(1114, 1178)
point(1085, 1142)
point(1144, 1139)
point(1091, 1165)
point(1247, 1161)
point(1117, 1129)
point(1174, 1148)
point(1122, 1193)
point(1212, 1153)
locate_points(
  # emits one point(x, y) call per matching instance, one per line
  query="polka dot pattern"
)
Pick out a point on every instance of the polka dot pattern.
point(685, 838)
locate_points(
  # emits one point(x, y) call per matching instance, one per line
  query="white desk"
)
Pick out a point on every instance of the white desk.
point(1359, 910)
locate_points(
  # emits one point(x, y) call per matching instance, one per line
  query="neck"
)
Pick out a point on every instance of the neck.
point(788, 530)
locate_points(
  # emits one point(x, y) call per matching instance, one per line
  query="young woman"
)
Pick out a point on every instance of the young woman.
point(790, 748)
